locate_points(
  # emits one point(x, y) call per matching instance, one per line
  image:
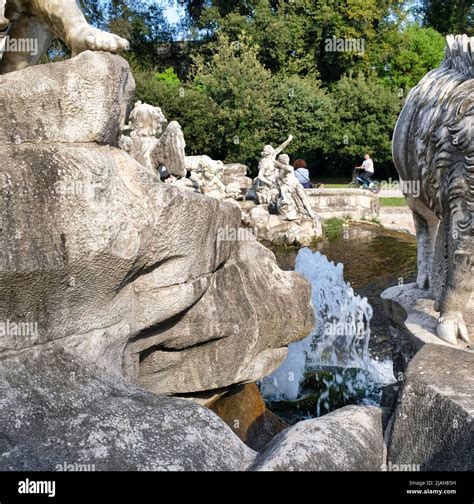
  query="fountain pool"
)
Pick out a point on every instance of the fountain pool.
point(339, 363)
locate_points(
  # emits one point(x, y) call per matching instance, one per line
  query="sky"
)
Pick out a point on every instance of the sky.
point(173, 14)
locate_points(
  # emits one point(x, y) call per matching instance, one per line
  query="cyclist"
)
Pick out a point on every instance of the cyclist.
point(369, 170)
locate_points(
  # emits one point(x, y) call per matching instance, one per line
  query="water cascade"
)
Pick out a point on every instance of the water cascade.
point(336, 353)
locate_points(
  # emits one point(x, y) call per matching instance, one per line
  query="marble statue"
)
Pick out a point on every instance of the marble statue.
point(266, 185)
point(433, 149)
point(292, 203)
point(41, 21)
point(166, 152)
point(150, 146)
point(209, 178)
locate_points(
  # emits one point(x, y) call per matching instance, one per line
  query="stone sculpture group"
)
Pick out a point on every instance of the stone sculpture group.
point(150, 146)
point(165, 152)
point(276, 185)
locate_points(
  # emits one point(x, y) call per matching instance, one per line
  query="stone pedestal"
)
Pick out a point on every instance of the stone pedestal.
point(433, 428)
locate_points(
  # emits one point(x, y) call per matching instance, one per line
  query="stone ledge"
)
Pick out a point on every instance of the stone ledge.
point(411, 309)
point(434, 423)
point(340, 203)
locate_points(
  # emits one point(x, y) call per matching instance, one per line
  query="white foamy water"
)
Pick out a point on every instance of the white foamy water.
point(340, 339)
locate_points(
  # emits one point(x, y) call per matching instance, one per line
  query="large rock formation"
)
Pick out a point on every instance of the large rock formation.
point(102, 263)
point(434, 424)
point(60, 412)
point(351, 439)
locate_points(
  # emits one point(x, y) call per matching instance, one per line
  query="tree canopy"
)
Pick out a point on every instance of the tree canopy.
point(242, 73)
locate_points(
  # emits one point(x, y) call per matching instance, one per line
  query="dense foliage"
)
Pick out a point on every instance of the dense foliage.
point(333, 73)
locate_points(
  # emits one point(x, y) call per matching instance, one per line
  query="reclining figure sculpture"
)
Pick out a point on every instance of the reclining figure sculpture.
point(434, 148)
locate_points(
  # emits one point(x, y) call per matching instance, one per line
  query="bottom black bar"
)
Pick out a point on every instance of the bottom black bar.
point(157, 487)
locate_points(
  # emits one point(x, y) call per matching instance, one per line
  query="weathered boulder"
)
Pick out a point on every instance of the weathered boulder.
point(118, 269)
point(66, 102)
point(275, 229)
point(230, 335)
point(351, 439)
point(236, 173)
point(56, 412)
point(434, 423)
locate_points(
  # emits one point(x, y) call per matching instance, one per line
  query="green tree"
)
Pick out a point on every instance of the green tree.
point(95, 12)
point(306, 110)
point(447, 16)
point(187, 104)
point(143, 24)
point(242, 89)
point(413, 52)
point(292, 37)
point(367, 111)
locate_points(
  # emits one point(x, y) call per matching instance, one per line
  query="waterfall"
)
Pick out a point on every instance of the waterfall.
point(339, 342)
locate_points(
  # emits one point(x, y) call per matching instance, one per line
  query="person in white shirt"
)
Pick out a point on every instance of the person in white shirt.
point(369, 169)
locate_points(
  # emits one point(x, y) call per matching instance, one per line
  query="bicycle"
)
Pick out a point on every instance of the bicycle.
point(359, 183)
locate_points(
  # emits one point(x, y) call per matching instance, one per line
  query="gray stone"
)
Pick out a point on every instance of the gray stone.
point(131, 275)
point(56, 412)
point(231, 334)
point(275, 229)
point(434, 423)
point(351, 439)
point(68, 102)
point(236, 173)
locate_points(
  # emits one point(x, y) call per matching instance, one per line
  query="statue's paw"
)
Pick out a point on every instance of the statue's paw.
point(89, 38)
point(452, 326)
point(423, 281)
